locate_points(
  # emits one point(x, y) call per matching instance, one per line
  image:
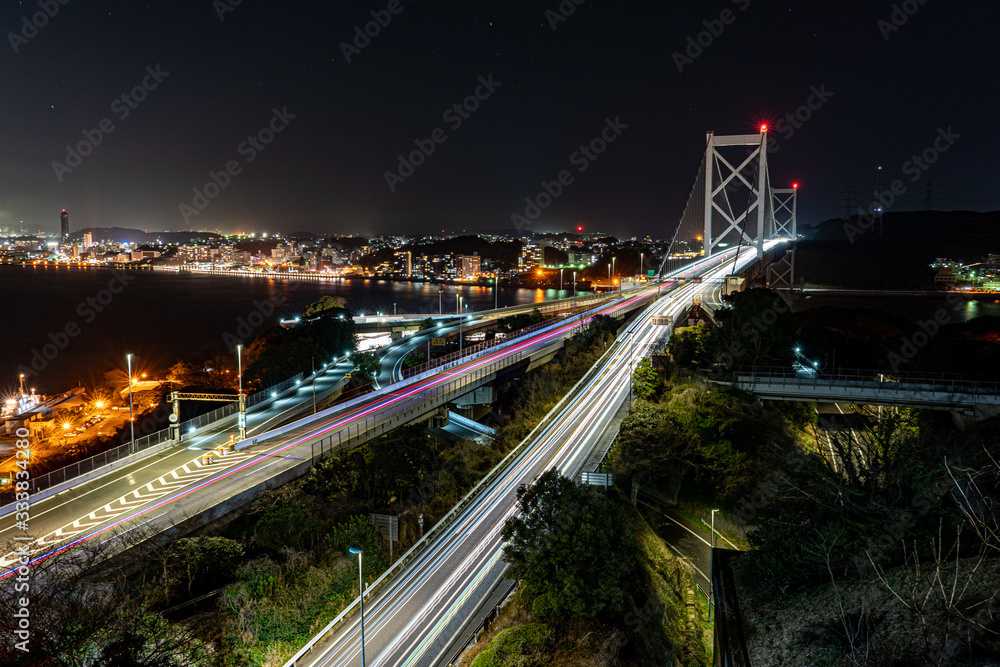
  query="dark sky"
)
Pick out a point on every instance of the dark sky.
point(609, 59)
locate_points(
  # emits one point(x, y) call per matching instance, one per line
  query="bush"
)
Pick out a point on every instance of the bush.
point(521, 646)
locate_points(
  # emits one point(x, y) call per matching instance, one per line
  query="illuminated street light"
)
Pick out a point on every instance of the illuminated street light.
point(361, 600)
point(243, 405)
point(131, 417)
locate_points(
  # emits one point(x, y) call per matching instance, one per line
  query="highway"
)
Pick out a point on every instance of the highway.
point(168, 488)
point(415, 619)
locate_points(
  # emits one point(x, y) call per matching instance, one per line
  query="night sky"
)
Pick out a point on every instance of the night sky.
point(892, 90)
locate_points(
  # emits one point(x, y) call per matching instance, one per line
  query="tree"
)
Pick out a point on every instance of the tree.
point(693, 347)
point(367, 365)
point(756, 328)
point(645, 381)
point(571, 548)
point(325, 304)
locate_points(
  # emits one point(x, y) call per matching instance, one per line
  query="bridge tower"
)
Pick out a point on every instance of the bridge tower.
point(732, 202)
point(724, 181)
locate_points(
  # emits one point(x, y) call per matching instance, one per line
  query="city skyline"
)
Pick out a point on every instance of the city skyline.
point(271, 120)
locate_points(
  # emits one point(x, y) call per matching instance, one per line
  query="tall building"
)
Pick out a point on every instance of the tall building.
point(65, 226)
point(471, 267)
point(88, 241)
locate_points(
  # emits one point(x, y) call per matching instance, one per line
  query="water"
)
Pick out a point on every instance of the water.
point(74, 324)
point(959, 308)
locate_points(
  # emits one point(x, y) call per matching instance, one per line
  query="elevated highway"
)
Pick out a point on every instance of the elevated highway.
point(415, 613)
point(180, 489)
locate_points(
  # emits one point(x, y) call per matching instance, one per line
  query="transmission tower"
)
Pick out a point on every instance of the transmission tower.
point(877, 204)
point(847, 196)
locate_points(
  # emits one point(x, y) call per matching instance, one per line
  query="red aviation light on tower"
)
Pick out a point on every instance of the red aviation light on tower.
point(579, 228)
point(795, 186)
point(763, 128)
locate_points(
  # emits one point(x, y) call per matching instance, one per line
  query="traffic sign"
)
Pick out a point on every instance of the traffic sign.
point(439, 342)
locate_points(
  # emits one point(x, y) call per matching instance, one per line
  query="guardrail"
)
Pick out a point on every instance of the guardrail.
point(147, 445)
point(485, 345)
point(447, 519)
point(491, 616)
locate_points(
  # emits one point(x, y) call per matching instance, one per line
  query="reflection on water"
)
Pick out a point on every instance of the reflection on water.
point(960, 307)
point(161, 317)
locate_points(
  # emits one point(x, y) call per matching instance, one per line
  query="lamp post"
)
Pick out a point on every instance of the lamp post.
point(243, 404)
point(131, 418)
point(461, 318)
point(440, 302)
point(560, 280)
point(711, 569)
point(361, 600)
point(609, 277)
point(575, 289)
point(642, 256)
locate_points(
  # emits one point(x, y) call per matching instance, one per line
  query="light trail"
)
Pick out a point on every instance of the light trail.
point(310, 432)
point(404, 621)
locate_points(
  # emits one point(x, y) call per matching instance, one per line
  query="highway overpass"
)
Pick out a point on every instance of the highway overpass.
point(178, 490)
point(416, 612)
point(977, 398)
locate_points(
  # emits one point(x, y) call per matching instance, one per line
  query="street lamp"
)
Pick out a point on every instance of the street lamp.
point(131, 418)
point(560, 280)
point(243, 406)
point(461, 317)
point(642, 256)
point(440, 302)
point(711, 569)
point(361, 600)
